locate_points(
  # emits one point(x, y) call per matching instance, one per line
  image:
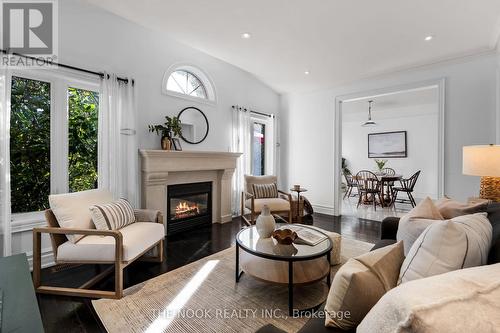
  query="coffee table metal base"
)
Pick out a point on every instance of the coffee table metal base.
point(239, 273)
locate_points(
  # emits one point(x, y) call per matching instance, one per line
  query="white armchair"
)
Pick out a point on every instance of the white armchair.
point(281, 204)
point(80, 243)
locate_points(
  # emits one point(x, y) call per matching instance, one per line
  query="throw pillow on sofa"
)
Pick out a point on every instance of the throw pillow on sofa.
point(448, 245)
point(72, 209)
point(360, 283)
point(415, 221)
point(112, 216)
point(467, 300)
point(450, 208)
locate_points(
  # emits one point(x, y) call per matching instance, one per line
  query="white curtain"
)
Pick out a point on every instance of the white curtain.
point(241, 144)
point(118, 147)
point(5, 218)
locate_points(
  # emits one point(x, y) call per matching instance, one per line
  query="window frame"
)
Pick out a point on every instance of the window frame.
point(270, 151)
point(252, 151)
point(198, 73)
point(60, 80)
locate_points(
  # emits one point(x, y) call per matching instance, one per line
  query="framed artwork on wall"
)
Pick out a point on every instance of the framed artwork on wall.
point(387, 145)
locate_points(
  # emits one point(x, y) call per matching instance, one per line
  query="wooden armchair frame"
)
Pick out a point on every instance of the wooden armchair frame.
point(246, 195)
point(57, 237)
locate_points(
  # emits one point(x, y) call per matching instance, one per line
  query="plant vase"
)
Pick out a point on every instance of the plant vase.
point(265, 223)
point(166, 143)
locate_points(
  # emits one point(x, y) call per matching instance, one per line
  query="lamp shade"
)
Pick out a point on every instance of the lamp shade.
point(481, 160)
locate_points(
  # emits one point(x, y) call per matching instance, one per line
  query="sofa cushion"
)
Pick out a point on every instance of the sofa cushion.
point(274, 204)
point(415, 221)
point(360, 283)
point(137, 237)
point(448, 245)
point(113, 215)
point(72, 209)
point(450, 208)
point(466, 300)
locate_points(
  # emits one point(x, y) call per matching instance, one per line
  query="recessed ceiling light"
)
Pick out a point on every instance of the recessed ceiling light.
point(307, 72)
point(246, 35)
point(428, 38)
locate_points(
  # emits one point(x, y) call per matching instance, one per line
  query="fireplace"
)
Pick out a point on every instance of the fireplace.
point(188, 206)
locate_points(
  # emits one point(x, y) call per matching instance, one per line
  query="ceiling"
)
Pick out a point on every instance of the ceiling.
point(398, 104)
point(337, 41)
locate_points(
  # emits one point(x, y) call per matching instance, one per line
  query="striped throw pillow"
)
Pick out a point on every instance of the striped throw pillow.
point(112, 216)
point(265, 190)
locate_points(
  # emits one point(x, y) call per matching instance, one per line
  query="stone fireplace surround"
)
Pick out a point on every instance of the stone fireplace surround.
point(160, 168)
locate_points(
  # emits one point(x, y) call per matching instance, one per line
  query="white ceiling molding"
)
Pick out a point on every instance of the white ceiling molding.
point(336, 41)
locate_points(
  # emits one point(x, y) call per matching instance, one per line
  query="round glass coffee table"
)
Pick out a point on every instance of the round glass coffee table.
point(286, 264)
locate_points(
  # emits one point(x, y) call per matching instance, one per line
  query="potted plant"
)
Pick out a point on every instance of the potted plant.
point(380, 164)
point(171, 128)
point(345, 170)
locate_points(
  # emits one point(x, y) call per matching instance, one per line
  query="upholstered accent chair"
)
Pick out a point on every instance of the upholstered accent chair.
point(280, 204)
point(142, 240)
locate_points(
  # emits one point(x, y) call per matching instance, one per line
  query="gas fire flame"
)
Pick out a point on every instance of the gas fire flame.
point(184, 209)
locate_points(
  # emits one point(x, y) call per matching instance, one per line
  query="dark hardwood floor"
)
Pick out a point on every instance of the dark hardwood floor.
point(72, 314)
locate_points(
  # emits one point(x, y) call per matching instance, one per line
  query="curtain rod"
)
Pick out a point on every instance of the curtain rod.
point(255, 112)
point(122, 79)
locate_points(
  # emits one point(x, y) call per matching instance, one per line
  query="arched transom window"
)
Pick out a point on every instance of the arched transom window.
point(187, 81)
point(184, 82)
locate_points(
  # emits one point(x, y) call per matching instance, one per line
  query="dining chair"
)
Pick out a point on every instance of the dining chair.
point(389, 185)
point(389, 171)
point(368, 184)
point(407, 186)
point(351, 183)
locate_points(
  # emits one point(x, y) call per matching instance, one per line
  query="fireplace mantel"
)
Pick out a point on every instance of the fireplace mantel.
point(160, 168)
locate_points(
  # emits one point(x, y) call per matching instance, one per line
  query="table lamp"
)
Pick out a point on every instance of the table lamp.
point(484, 161)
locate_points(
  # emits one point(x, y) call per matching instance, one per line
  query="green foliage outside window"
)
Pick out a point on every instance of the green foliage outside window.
point(83, 108)
point(30, 142)
point(29, 145)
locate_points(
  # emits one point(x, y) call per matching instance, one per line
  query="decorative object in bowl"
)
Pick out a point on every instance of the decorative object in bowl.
point(284, 236)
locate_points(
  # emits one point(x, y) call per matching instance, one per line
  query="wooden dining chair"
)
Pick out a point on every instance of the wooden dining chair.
point(389, 185)
point(350, 183)
point(389, 171)
point(407, 186)
point(368, 185)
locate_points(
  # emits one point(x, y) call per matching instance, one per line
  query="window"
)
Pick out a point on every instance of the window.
point(258, 149)
point(83, 108)
point(53, 138)
point(30, 144)
point(188, 82)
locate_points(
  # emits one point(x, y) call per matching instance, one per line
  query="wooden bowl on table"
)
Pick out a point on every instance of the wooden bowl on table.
point(284, 236)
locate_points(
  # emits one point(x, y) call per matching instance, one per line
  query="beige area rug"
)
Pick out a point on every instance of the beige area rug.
point(204, 297)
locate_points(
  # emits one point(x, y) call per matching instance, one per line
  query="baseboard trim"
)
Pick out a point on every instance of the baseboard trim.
point(47, 258)
point(327, 210)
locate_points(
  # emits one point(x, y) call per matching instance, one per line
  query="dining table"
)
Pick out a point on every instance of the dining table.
point(384, 179)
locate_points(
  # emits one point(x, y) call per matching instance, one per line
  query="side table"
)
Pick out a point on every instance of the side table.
point(298, 190)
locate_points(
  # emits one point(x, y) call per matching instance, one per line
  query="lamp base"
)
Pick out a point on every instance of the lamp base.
point(490, 188)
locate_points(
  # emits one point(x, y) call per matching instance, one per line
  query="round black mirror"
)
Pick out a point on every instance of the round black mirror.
point(194, 125)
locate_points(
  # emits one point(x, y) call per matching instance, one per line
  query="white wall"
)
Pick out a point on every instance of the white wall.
point(97, 40)
point(92, 38)
point(307, 145)
point(421, 124)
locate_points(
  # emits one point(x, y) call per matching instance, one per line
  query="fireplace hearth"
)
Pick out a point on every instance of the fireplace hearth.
point(188, 206)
